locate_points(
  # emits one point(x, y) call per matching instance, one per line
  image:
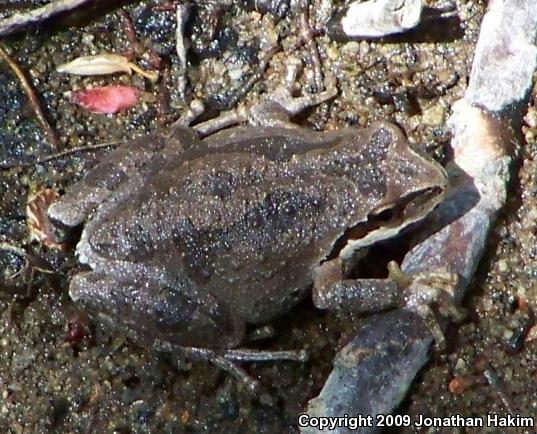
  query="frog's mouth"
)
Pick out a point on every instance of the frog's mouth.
point(390, 219)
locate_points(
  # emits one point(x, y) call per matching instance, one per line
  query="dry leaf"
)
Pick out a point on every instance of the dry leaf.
point(107, 99)
point(40, 227)
point(101, 64)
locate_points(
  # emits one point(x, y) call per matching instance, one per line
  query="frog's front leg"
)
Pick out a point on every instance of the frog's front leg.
point(415, 293)
point(423, 290)
point(331, 291)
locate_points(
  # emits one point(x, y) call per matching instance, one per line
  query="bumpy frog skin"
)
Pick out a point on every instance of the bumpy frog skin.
point(189, 240)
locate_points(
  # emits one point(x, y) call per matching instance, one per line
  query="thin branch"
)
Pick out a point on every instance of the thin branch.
point(307, 37)
point(139, 49)
point(21, 20)
point(31, 261)
point(87, 148)
point(254, 78)
point(32, 96)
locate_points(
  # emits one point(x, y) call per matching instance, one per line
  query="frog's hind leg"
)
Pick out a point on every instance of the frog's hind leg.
point(175, 316)
point(274, 109)
point(147, 308)
point(228, 360)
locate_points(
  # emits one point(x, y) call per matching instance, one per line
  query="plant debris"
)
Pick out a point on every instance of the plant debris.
point(106, 99)
point(32, 96)
point(102, 64)
point(379, 18)
point(21, 20)
point(39, 225)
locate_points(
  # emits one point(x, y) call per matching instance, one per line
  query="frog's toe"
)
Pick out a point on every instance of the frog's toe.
point(433, 289)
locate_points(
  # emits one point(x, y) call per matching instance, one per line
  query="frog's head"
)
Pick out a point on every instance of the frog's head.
point(409, 188)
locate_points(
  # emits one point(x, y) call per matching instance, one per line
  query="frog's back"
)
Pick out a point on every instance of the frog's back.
point(246, 225)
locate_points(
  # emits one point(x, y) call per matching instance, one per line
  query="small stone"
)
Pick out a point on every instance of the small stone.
point(365, 47)
point(460, 366)
point(235, 74)
point(434, 115)
point(487, 304)
point(532, 334)
point(351, 48)
point(87, 38)
point(266, 399)
point(530, 135)
point(256, 16)
point(502, 266)
point(332, 52)
point(458, 385)
point(531, 118)
point(508, 334)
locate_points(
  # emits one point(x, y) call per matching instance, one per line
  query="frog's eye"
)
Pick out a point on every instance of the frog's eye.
point(383, 215)
point(407, 209)
point(420, 203)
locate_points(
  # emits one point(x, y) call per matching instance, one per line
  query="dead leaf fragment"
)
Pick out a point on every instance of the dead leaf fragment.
point(458, 385)
point(532, 334)
point(107, 99)
point(102, 64)
point(39, 225)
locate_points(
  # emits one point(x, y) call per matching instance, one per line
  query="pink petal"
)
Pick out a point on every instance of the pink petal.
point(107, 99)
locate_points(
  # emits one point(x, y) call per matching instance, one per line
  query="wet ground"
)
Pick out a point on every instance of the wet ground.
point(62, 372)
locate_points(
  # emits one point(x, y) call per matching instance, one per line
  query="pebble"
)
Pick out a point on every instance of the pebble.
point(434, 115)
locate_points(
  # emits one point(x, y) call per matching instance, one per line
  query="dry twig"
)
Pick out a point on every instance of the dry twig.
point(308, 39)
point(87, 148)
point(32, 96)
point(137, 47)
point(21, 20)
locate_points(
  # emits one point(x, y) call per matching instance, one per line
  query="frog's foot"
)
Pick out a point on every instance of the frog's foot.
point(424, 290)
point(228, 360)
point(274, 110)
point(284, 101)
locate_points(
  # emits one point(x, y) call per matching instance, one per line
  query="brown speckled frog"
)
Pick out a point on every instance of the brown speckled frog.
point(190, 239)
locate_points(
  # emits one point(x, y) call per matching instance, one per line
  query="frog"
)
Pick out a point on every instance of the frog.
point(191, 237)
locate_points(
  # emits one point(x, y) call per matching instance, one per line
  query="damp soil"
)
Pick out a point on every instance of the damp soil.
point(60, 371)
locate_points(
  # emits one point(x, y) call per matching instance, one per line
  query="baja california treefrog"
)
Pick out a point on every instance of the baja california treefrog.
point(189, 240)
